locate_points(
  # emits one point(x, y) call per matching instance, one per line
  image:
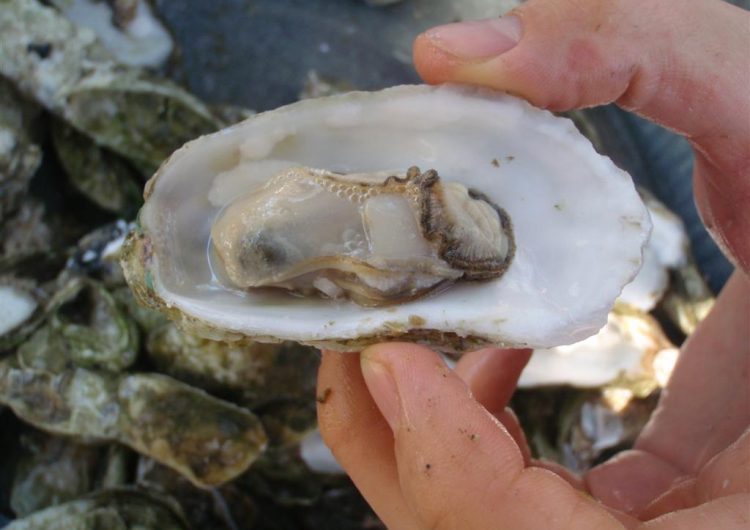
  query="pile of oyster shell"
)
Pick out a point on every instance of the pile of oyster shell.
point(448, 216)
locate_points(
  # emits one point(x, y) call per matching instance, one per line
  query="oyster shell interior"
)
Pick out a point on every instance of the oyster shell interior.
point(578, 223)
point(376, 238)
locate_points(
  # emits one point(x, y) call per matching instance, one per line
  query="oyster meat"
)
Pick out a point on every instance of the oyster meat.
point(374, 238)
point(231, 214)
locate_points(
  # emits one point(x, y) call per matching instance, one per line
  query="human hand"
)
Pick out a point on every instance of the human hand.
point(434, 448)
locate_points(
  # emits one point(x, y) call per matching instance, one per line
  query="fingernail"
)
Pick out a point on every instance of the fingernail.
point(478, 39)
point(382, 388)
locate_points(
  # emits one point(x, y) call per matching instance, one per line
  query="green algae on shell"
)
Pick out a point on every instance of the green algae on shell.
point(208, 440)
point(104, 178)
point(20, 156)
point(67, 71)
point(86, 328)
point(25, 233)
point(52, 470)
point(257, 374)
point(121, 509)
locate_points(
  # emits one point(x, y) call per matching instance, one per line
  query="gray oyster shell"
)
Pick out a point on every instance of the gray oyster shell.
point(67, 71)
point(19, 155)
point(52, 470)
point(25, 233)
point(208, 440)
point(104, 178)
point(120, 509)
point(86, 328)
point(257, 374)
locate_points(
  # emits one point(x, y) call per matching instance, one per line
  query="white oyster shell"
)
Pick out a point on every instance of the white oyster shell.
point(666, 249)
point(579, 223)
point(141, 40)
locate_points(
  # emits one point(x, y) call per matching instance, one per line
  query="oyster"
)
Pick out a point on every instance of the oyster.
point(578, 428)
point(227, 507)
point(25, 233)
point(312, 230)
point(51, 470)
point(96, 254)
point(19, 156)
point(257, 374)
point(667, 249)
point(102, 177)
point(207, 440)
point(624, 352)
point(121, 508)
point(66, 70)
point(21, 309)
point(85, 328)
point(127, 28)
point(578, 223)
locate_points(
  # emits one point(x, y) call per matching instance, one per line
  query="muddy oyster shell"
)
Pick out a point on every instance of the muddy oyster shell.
point(208, 440)
point(19, 155)
point(120, 508)
point(578, 223)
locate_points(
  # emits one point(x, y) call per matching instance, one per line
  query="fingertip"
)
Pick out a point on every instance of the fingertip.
point(433, 64)
point(421, 52)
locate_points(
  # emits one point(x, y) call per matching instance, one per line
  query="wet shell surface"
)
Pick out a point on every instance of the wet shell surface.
point(316, 232)
point(578, 224)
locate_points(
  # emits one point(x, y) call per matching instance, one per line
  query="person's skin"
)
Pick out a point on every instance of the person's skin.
point(431, 448)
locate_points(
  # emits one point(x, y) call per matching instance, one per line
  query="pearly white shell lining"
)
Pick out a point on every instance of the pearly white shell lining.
point(579, 223)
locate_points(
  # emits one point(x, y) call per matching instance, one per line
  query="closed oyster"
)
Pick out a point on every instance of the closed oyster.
point(25, 233)
point(102, 177)
point(19, 156)
point(374, 238)
point(52, 470)
point(208, 440)
point(67, 71)
point(578, 223)
point(121, 508)
point(86, 328)
point(256, 374)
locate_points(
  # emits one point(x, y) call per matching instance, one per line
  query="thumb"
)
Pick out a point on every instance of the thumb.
point(680, 63)
point(668, 60)
point(457, 465)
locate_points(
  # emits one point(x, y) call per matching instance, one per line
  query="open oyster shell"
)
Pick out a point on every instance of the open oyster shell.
point(578, 222)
